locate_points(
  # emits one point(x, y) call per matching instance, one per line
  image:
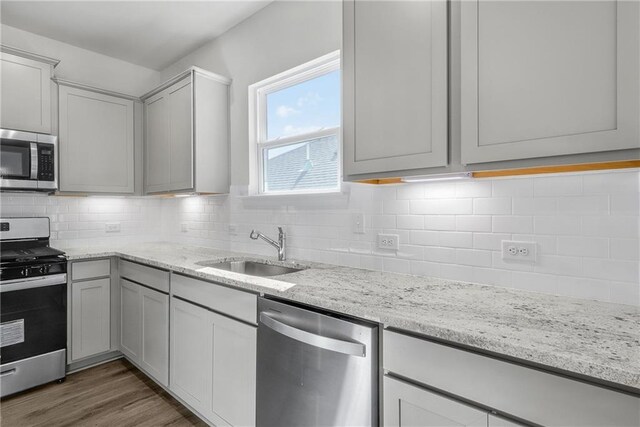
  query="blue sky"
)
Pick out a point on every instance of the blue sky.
point(305, 107)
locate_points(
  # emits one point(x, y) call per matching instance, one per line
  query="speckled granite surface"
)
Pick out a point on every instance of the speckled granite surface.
point(589, 338)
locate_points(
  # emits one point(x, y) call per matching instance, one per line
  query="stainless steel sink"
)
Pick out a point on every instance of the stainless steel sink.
point(252, 268)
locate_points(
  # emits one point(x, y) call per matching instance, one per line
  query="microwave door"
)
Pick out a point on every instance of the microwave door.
point(18, 164)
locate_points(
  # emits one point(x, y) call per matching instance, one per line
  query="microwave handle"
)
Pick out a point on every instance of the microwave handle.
point(34, 161)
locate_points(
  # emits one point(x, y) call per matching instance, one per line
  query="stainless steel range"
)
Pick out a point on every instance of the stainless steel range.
point(33, 306)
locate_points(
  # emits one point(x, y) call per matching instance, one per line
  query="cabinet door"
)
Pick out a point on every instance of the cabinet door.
point(548, 78)
point(395, 85)
point(154, 355)
point(25, 94)
point(130, 319)
point(407, 405)
point(191, 354)
point(180, 135)
point(234, 371)
point(157, 149)
point(96, 142)
point(90, 318)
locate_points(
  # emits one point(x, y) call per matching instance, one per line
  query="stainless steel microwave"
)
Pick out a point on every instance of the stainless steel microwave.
point(28, 161)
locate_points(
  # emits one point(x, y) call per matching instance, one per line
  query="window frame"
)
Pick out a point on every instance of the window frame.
point(258, 142)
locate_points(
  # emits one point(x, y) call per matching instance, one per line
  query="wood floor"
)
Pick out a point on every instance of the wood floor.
point(112, 394)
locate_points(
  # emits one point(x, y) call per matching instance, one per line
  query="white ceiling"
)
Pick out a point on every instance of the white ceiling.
point(153, 34)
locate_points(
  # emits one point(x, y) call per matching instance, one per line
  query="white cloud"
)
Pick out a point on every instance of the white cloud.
point(285, 111)
point(311, 98)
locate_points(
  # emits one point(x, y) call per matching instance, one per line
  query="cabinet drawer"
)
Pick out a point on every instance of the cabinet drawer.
point(148, 276)
point(90, 269)
point(527, 393)
point(234, 303)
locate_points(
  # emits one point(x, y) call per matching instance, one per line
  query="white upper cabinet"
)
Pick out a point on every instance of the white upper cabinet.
point(187, 134)
point(96, 141)
point(549, 78)
point(25, 93)
point(394, 64)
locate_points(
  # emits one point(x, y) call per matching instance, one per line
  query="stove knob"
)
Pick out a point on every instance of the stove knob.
point(25, 271)
point(44, 269)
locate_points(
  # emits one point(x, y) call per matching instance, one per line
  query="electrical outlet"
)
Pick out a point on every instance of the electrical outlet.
point(357, 223)
point(184, 227)
point(519, 251)
point(112, 227)
point(389, 241)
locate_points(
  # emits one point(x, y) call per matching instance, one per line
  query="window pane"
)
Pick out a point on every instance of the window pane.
point(311, 164)
point(306, 107)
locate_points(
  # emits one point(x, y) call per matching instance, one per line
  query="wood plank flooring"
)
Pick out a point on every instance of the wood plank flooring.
point(112, 394)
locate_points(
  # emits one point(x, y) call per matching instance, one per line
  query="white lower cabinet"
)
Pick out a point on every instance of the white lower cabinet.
point(407, 405)
point(90, 318)
point(144, 329)
point(539, 397)
point(213, 364)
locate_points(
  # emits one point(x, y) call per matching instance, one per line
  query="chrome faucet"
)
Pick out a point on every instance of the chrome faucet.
point(280, 245)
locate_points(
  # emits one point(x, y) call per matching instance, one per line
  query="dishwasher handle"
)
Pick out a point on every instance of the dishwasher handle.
point(325, 343)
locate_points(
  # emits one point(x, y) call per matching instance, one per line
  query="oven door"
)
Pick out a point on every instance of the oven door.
point(18, 162)
point(33, 317)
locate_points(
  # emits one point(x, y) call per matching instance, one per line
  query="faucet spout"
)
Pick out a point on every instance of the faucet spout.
point(280, 245)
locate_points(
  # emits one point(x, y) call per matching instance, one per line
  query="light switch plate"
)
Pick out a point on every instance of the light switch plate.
point(357, 223)
point(112, 227)
point(519, 251)
point(389, 241)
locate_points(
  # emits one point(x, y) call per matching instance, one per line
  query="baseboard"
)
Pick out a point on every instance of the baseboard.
point(93, 361)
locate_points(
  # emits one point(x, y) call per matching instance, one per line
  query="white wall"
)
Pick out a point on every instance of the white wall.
point(84, 66)
point(585, 227)
point(278, 37)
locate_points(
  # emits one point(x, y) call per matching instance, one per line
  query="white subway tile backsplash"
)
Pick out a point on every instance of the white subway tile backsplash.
point(557, 225)
point(516, 187)
point(585, 227)
point(583, 246)
point(492, 206)
point(625, 249)
point(583, 205)
point(473, 223)
point(561, 185)
point(535, 206)
point(512, 224)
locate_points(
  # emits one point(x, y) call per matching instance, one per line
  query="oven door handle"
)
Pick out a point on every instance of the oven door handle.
point(35, 282)
point(34, 160)
point(320, 341)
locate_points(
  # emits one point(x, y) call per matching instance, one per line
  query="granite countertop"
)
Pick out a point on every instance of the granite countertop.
point(594, 339)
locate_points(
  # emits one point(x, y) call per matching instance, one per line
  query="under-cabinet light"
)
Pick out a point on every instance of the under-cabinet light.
point(438, 177)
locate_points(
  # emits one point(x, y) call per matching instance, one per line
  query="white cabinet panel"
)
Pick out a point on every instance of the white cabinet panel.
point(180, 136)
point(406, 405)
point(90, 269)
point(191, 354)
point(188, 115)
point(96, 142)
point(157, 146)
point(549, 78)
point(130, 319)
point(25, 94)
point(496, 421)
point(234, 371)
point(90, 318)
point(395, 85)
point(154, 355)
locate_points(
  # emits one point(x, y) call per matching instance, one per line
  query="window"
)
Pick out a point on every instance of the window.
point(294, 120)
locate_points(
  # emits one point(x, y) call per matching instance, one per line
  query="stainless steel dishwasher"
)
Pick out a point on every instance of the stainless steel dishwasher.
point(315, 369)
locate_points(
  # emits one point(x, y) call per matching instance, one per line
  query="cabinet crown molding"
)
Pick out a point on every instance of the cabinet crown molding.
point(78, 85)
point(185, 73)
point(29, 55)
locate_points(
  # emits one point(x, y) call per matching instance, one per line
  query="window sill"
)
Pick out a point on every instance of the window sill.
point(329, 199)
